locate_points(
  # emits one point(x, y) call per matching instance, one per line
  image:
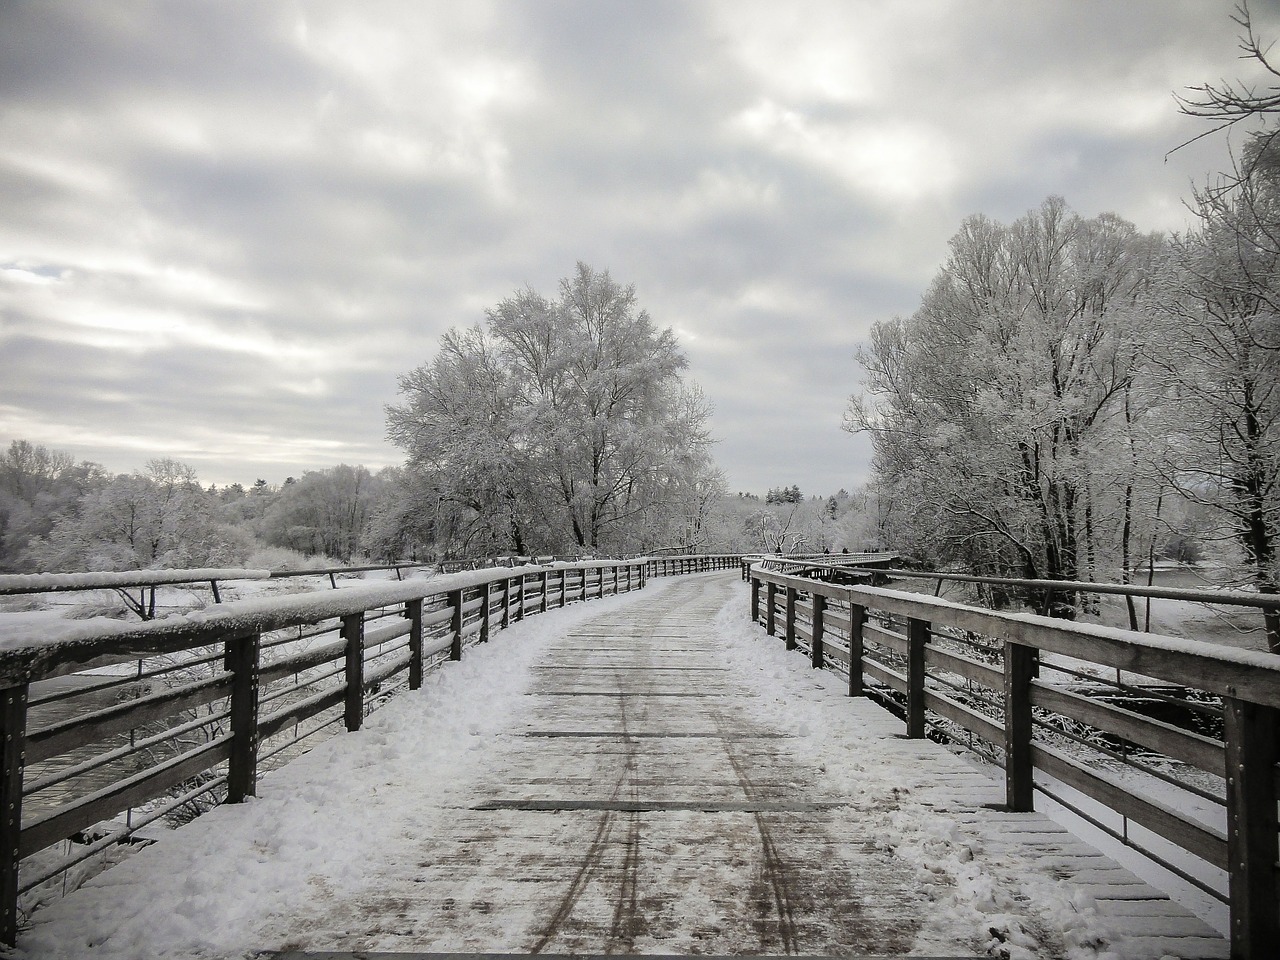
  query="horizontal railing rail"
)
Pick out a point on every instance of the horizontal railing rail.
point(146, 582)
point(796, 562)
point(1177, 738)
point(167, 717)
point(691, 563)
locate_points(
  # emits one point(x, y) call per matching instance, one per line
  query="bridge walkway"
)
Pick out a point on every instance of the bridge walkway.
point(657, 801)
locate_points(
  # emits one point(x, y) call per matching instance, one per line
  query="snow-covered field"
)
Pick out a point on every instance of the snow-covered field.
point(232, 882)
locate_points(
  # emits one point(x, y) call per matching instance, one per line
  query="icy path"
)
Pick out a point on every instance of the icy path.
point(644, 774)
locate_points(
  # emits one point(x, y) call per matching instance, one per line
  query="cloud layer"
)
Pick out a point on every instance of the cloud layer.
point(228, 227)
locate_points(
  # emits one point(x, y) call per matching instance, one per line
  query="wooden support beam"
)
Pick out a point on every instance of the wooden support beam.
point(13, 735)
point(242, 657)
point(790, 622)
point(917, 639)
point(455, 624)
point(819, 610)
point(413, 611)
point(353, 634)
point(857, 619)
point(1019, 671)
point(1250, 732)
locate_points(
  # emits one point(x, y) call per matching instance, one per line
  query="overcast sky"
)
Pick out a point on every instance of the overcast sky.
point(226, 228)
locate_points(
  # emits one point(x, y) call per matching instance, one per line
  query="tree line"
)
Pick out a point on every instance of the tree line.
point(57, 514)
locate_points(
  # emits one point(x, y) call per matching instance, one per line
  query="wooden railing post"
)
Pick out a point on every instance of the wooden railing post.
point(564, 586)
point(819, 611)
point(615, 581)
point(917, 638)
point(1250, 731)
point(771, 592)
point(353, 634)
point(13, 730)
point(241, 659)
point(755, 600)
point(857, 619)
point(520, 598)
point(484, 613)
point(1019, 671)
point(790, 622)
point(546, 583)
point(413, 610)
point(455, 625)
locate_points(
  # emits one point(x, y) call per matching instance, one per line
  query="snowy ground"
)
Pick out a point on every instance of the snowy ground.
point(328, 828)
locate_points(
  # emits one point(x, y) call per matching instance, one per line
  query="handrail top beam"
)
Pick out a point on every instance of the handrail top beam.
point(88, 644)
point(1226, 671)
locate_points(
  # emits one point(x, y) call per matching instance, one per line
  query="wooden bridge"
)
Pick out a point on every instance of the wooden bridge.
point(676, 783)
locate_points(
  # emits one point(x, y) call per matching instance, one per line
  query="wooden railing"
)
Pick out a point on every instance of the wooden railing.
point(153, 719)
point(693, 563)
point(146, 582)
point(1064, 709)
point(803, 562)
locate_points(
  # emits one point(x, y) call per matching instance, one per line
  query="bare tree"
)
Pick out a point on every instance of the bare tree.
point(1230, 101)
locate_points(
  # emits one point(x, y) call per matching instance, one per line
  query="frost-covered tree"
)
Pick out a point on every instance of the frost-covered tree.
point(39, 486)
point(159, 518)
point(1219, 351)
point(557, 425)
point(990, 406)
point(325, 512)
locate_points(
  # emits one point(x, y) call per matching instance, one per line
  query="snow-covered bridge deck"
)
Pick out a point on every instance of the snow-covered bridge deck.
point(626, 776)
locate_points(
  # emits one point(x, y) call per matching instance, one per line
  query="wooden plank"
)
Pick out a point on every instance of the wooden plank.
point(385, 671)
point(1198, 751)
point(1155, 816)
point(92, 727)
point(962, 666)
point(437, 616)
point(386, 634)
point(837, 652)
point(890, 678)
point(120, 796)
point(965, 716)
point(307, 660)
point(837, 619)
point(874, 633)
point(300, 710)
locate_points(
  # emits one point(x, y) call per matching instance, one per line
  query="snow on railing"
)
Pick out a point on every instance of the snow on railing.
point(1169, 745)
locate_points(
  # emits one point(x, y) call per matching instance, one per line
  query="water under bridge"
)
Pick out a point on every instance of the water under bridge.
point(658, 771)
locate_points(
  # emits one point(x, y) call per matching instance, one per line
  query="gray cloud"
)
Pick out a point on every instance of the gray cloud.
point(228, 228)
